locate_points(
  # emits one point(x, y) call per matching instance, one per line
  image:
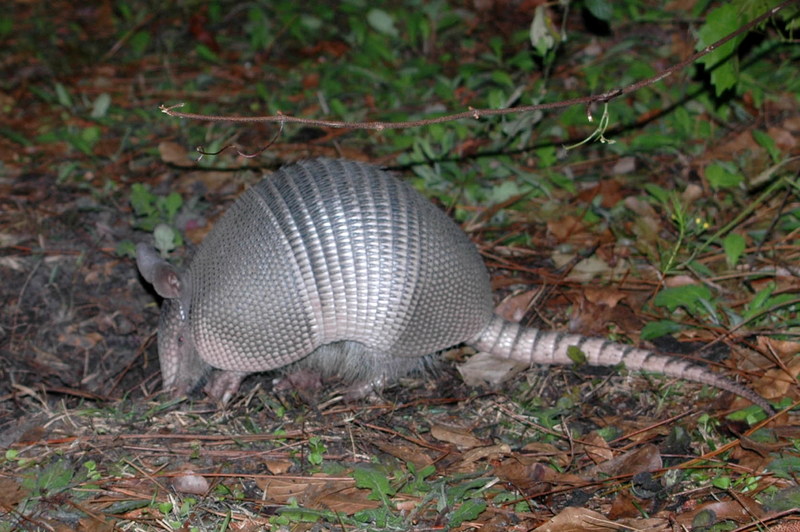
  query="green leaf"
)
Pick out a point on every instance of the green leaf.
point(785, 499)
point(142, 200)
point(787, 468)
point(6, 25)
point(467, 511)
point(125, 248)
point(15, 136)
point(722, 483)
point(704, 520)
point(542, 33)
point(719, 177)
point(575, 354)
point(90, 135)
point(768, 143)
point(63, 96)
point(657, 329)
point(764, 301)
point(502, 78)
point(55, 477)
point(375, 482)
point(654, 141)
point(733, 245)
point(760, 299)
point(751, 415)
point(164, 507)
point(85, 140)
point(376, 517)
point(722, 63)
point(547, 156)
point(206, 53)
point(169, 206)
point(600, 9)
point(382, 22)
point(690, 296)
point(139, 42)
point(659, 193)
point(100, 106)
point(165, 238)
point(311, 22)
point(496, 99)
point(338, 108)
point(503, 192)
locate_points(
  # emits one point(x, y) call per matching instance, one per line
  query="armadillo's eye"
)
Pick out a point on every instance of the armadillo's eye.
point(180, 339)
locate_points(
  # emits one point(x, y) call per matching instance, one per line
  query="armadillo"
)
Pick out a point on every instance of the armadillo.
point(340, 263)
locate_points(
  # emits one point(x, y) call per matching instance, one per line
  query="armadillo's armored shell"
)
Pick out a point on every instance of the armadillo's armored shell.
point(323, 251)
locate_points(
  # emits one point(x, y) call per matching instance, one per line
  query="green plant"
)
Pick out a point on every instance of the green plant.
point(176, 515)
point(13, 455)
point(723, 64)
point(316, 450)
point(53, 488)
point(157, 214)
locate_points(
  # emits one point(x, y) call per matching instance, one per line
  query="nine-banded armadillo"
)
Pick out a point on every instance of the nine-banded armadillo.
point(342, 263)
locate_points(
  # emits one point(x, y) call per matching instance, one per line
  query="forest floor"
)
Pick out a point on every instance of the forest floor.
point(681, 236)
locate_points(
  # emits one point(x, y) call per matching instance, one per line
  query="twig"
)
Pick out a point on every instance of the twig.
point(477, 114)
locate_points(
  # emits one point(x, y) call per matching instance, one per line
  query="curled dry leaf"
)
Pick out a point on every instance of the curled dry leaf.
point(406, 452)
point(741, 510)
point(604, 296)
point(679, 280)
point(646, 458)
point(11, 492)
point(331, 493)
point(174, 153)
point(462, 438)
point(12, 263)
point(609, 191)
point(278, 467)
point(547, 452)
point(490, 452)
point(778, 382)
point(624, 505)
point(594, 267)
point(693, 192)
point(641, 207)
point(785, 349)
point(597, 448)
point(533, 476)
point(565, 228)
point(514, 308)
point(580, 519)
point(625, 165)
point(573, 519)
point(81, 340)
point(483, 369)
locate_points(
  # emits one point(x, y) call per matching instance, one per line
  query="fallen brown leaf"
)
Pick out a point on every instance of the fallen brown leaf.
point(459, 437)
point(597, 448)
point(639, 460)
point(406, 452)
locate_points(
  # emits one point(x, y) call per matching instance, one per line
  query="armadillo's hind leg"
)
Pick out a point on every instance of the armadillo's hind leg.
point(223, 385)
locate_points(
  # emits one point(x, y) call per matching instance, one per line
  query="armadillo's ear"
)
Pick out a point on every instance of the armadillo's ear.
point(158, 272)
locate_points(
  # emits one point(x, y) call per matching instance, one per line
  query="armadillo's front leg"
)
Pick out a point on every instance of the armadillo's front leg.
point(223, 385)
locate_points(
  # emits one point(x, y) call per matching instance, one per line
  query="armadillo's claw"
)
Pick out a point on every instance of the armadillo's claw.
point(223, 385)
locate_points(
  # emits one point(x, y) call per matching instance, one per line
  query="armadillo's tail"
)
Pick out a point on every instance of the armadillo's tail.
point(504, 339)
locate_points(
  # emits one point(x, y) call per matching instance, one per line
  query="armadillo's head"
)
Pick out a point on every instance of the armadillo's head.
point(182, 369)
